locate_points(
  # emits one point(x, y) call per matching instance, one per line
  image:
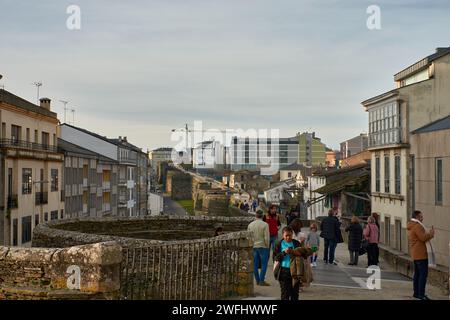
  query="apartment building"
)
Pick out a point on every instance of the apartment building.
point(132, 166)
point(256, 154)
point(208, 155)
point(421, 97)
point(311, 150)
point(354, 145)
point(30, 168)
point(90, 182)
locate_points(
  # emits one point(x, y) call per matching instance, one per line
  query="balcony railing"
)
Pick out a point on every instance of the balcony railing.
point(41, 198)
point(21, 144)
point(13, 202)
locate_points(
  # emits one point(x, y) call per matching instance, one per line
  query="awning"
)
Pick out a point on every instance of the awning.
point(344, 183)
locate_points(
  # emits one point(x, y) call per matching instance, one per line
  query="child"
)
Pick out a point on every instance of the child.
point(313, 240)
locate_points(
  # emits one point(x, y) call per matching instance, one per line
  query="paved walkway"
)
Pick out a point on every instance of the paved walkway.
point(172, 207)
point(344, 282)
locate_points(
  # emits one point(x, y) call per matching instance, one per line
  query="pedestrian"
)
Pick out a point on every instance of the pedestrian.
point(296, 226)
point(288, 252)
point(218, 232)
point(371, 235)
point(261, 242)
point(422, 253)
point(330, 230)
point(273, 220)
point(376, 216)
point(313, 240)
point(254, 205)
point(355, 235)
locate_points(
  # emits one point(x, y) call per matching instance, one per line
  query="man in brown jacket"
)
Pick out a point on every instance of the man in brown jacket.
point(418, 237)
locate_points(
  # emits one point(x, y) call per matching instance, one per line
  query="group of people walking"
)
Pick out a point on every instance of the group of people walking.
point(296, 253)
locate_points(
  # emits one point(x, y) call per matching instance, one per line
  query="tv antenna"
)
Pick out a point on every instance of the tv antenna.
point(38, 84)
point(73, 116)
point(65, 109)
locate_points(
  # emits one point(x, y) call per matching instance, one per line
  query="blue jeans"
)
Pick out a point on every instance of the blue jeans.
point(330, 248)
point(420, 277)
point(273, 240)
point(260, 258)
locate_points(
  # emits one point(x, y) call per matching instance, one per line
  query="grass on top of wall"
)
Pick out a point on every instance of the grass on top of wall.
point(187, 205)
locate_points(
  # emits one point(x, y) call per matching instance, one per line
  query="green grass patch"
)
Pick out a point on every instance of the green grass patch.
point(187, 205)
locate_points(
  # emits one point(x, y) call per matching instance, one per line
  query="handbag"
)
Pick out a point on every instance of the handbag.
point(364, 246)
point(276, 269)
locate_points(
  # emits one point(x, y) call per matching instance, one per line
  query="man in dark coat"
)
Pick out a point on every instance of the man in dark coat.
point(355, 234)
point(331, 232)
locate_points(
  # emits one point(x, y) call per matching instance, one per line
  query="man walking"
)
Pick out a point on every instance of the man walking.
point(261, 242)
point(330, 230)
point(421, 253)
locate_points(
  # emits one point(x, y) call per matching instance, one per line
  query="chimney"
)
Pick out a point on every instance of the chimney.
point(125, 139)
point(120, 138)
point(45, 103)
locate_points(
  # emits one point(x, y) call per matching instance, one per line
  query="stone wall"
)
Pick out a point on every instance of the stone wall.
point(42, 273)
point(186, 267)
point(179, 185)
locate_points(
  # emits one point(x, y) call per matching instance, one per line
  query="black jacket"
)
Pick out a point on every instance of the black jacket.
point(330, 229)
point(280, 255)
point(355, 235)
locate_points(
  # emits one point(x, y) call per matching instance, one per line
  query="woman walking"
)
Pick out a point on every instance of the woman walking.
point(355, 234)
point(287, 253)
point(371, 235)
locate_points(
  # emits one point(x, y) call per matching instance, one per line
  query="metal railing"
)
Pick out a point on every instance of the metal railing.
point(13, 202)
point(199, 270)
point(41, 198)
point(21, 144)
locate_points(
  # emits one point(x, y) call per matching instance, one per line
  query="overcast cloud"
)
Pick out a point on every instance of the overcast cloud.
point(141, 68)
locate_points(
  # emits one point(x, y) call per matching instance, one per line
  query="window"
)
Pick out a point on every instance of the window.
point(398, 234)
point(54, 180)
point(36, 219)
point(438, 182)
point(3, 130)
point(26, 229)
point(386, 173)
point(45, 138)
point(397, 175)
point(377, 174)
point(54, 215)
point(15, 231)
point(62, 214)
point(27, 182)
point(16, 133)
point(387, 231)
point(46, 216)
point(28, 134)
point(289, 174)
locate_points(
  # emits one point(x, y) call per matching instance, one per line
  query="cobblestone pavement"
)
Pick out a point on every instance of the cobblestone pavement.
point(344, 282)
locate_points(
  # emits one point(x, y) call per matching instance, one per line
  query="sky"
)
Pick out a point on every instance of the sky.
point(142, 68)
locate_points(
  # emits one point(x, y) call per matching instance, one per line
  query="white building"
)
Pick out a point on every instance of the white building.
point(316, 201)
point(155, 204)
point(208, 155)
